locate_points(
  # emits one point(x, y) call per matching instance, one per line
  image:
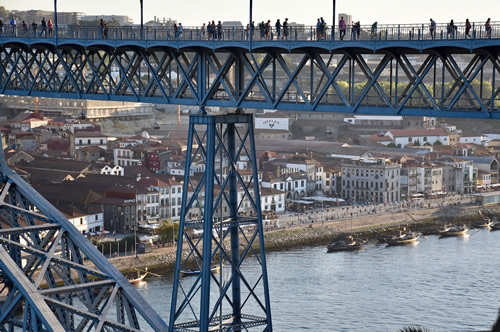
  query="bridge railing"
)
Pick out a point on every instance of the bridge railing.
point(239, 33)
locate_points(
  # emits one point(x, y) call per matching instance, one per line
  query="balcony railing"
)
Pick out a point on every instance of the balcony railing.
point(239, 33)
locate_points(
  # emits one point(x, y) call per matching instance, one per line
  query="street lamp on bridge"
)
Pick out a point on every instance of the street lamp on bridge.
point(333, 21)
point(142, 18)
point(55, 19)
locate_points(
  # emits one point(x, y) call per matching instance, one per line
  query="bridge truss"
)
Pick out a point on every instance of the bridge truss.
point(454, 78)
point(213, 289)
point(449, 78)
point(52, 278)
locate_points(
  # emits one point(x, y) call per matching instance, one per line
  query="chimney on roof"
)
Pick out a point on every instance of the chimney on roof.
point(278, 171)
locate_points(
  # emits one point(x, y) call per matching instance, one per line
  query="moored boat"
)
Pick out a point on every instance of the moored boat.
point(405, 238)
point(138, 279)
point(495, 226)
point(486, 224)
point(194, 272)
point(454, 231)
point(349, 244)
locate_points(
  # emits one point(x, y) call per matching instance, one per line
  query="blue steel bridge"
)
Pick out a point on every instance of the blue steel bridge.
point(398, 70)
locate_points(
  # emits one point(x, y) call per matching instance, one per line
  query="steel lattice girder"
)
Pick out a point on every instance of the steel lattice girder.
point(46, 292)
point(224, 204)
point(440, 81)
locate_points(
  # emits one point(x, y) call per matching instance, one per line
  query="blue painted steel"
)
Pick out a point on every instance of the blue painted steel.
point(215, 206)
point(235, 239)
point(208, 215)
point(250, 73)
point(261, 229)
point(23, 200)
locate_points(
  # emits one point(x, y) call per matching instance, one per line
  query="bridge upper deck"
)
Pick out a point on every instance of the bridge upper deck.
point(411, 36)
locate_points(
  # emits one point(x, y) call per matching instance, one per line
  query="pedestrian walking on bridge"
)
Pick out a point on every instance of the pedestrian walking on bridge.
point(342, 27)
point(432, 29)
point(468, 26)
point(487, 27)
point(277, 26)
point(13, 24)
point(285, 29)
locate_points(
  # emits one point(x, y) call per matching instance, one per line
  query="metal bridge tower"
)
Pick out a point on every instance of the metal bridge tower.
point(224, 206)
point(46, 280)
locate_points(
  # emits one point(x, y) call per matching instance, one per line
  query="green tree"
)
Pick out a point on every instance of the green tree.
point(438, 142)
point(168, 231)
point(392, 145)
point(416, 143)
point(4, 13)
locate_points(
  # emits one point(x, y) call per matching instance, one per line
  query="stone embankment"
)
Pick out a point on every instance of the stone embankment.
point(322, 233)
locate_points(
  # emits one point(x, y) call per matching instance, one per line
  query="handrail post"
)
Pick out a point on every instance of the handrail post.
point(423, 32)
point(399, 31)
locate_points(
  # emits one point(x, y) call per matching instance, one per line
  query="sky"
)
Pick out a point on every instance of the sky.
point(195, 12)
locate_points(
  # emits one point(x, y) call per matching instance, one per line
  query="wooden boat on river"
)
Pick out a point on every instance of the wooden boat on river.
point(454, 231)
point(404, 238)
point(487, 221)
point(138, 279)
point(194, 272)
point(349, 244)
point(495, 226)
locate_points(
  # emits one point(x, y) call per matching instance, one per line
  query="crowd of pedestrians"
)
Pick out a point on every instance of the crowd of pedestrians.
point(266, 30)
point(46, 28)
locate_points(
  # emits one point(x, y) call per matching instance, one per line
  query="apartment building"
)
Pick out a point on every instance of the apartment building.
point(371, 180)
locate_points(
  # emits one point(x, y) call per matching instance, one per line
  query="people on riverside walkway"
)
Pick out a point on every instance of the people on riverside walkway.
point(342, 27)
point(487, 27)
point(277, 27)
point(432, 29)
point(203, 30)
point(468, 26)
point(285, 29)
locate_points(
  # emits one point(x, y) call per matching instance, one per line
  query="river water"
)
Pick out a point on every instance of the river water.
point(449, 284)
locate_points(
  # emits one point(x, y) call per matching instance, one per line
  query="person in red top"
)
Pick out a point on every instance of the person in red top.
point(50, 26)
